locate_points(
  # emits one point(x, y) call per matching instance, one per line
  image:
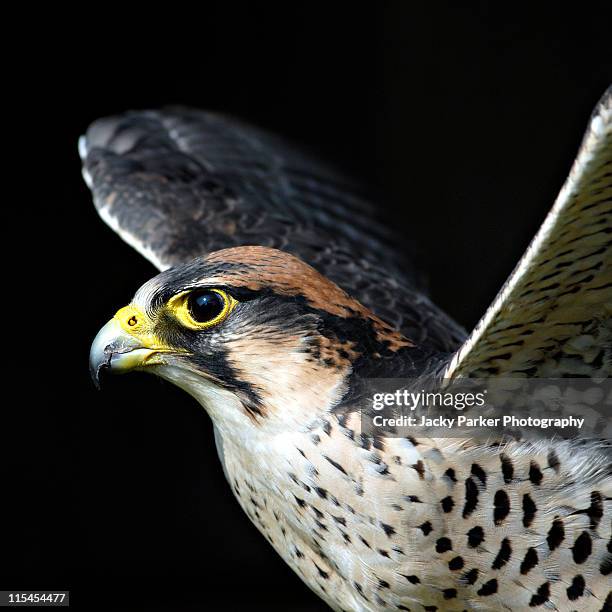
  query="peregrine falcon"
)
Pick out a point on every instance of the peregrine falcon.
point(280, 293)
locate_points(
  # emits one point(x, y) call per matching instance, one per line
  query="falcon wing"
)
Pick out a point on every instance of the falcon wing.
point(179, 183)
point(553, 317)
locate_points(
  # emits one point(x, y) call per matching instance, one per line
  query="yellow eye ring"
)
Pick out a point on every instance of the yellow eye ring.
point(200, 309)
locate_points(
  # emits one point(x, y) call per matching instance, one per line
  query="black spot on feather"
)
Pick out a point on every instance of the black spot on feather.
point(535, 473)
point(336, 465)
point(556, 534)
point(583, 547)
point(443, 545)
point(322, 493)
point(420, 468)
point(475, 536)
point(456, 563)
point(488, 588)
point(471, 497)
point(576, 589)
point(322, 573)
point(507, 468)
point(388, 529)
point(529, 510)
point(412, 579)
point(503, 556)
point(317, 512)
point(426, 528)
point(447, 504)
point(470, 577)
point(300, 502)
point(501, 503)
point(480, 474)
point(530, 561)
point(542, 595)
point(378, 443)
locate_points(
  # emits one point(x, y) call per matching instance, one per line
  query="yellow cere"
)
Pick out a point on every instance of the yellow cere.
point(138, 325)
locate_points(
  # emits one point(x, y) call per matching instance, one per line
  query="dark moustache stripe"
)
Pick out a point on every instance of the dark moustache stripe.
point(215, 363)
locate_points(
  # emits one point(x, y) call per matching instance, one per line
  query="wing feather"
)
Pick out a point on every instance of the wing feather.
point(553, 317)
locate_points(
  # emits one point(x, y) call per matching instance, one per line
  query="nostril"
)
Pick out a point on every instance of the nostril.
point(132, 321)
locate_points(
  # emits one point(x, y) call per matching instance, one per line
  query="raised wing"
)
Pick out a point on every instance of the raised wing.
point(178, 183)
point(553, 317)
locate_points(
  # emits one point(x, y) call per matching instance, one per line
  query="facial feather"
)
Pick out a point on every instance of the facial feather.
point(293, 341)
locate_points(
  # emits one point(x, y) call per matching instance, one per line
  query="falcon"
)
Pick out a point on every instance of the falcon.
point(280, 293)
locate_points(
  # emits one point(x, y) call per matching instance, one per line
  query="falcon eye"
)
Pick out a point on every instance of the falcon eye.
point(205, 306)
point(201, 308)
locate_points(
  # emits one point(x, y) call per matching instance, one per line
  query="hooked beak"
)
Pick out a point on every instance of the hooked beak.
point(116, 351)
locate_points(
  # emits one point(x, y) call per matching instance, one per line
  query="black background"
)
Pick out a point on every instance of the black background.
point(467, 117)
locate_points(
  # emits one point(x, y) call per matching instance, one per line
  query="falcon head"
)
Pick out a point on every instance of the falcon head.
point(255, 334)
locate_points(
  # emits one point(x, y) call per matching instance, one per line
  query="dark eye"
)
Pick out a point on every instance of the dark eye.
point(206, 305)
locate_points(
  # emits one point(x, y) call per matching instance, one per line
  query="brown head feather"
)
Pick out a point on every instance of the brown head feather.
point(289, 275)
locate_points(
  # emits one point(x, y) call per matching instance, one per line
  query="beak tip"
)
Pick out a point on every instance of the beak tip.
point(99, 355)
point(96, 371)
